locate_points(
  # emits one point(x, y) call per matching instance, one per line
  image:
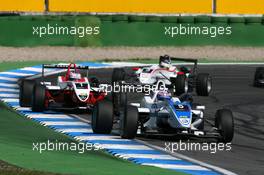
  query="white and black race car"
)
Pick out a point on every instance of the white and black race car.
point(259, 77)
point(181, 78)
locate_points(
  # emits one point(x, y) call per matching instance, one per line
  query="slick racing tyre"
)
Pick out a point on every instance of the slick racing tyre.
point(38, 98)
point(224, 122)
point(119, 100)
point(118, 75)
point(259, 75)
point(129, 122)
point(203, 84)
point(25, 93)
point(94, 82)
point(180, 84)
point(102, 117)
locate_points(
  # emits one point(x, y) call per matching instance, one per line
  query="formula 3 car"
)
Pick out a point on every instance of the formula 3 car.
point(71, 91)
point(162, 114)
point(182, 79)
point(259, 77)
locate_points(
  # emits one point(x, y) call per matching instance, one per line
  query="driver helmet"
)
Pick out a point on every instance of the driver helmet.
point(165, 61)
point(163, 95)
point(75, 76)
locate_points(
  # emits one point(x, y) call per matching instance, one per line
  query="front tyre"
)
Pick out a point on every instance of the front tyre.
point(38, 98)
point(129, 122)
point(203, 84)
point(102, 117)
point(224, 122)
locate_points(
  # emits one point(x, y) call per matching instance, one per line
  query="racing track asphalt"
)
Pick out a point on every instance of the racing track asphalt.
point(232, 89)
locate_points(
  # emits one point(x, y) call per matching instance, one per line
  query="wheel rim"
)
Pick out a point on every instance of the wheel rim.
point(209, 85)
point(186, 87)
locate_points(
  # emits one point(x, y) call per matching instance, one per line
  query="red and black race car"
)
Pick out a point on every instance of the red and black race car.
point(70, 91)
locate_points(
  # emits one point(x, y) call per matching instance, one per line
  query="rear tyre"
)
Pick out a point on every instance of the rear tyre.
point(38, 98)
point(102, 118)
point(94, 82)
point(118, 75)
point(203, 84)
point(180, 84)
point(224, 121)
point(25, 93)
point(119, 100)
point(129, 122)
point(259, 74)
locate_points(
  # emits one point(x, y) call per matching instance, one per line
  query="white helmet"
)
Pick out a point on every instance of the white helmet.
point(162, 94)
point(165, 61)
point(75, 76)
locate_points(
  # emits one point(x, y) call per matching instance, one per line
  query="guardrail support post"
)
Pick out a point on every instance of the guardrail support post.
point(214, 6)
point(46, 4)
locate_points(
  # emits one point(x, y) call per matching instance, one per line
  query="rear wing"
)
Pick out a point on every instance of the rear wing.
point(188, 60)
point(64, 66)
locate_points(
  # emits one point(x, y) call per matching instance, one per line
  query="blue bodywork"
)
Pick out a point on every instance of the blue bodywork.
point(179, 113)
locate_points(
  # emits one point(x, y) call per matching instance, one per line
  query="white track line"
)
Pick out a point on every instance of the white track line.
point(82, 130)
point(10, 100)
point(109, 138)
point(9, 90)
point(22, 108)
point(149, 156)
point(51, 116)
point(9, 85)
point(133, 64)
point(8, 78)
point(64, 123)
point(9, 95)
point(123, 146)
point(32, 69)
point(17, 74)
point(178, 167)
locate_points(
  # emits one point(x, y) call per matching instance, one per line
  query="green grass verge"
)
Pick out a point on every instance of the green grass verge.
point(18, 133)
point(9, 65)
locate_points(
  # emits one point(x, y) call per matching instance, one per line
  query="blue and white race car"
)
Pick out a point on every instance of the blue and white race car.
point(160, 113)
